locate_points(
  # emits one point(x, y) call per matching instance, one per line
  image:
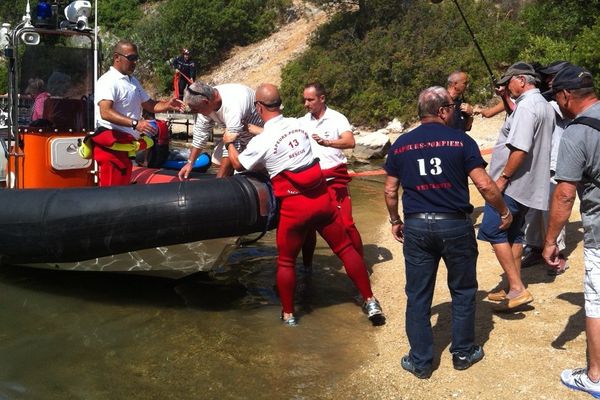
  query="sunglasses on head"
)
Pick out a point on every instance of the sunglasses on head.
point(130, 57)
point(276, 104)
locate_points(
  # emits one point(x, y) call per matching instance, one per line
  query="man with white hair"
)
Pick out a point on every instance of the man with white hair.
point(433, 163)
point(521, 167)
point(231, 106)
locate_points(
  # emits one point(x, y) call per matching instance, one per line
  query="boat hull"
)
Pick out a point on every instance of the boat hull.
point(173, 262)
point(70, 225)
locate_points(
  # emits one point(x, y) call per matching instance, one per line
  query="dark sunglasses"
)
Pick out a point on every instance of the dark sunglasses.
point(130, 57)
point(276, 104)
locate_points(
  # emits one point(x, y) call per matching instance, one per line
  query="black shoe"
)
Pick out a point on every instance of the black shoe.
point(408, 364)
point(463, 361)
point(532, 257)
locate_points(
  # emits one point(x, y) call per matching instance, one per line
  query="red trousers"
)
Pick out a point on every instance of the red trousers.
point(111, 174)
point(114, 167)
point(340, 198)
point(304, 213)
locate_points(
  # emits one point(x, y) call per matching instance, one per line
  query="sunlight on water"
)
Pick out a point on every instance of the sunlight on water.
point(84, 335)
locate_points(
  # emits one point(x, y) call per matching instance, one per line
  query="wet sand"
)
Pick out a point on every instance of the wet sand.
point(525, 350)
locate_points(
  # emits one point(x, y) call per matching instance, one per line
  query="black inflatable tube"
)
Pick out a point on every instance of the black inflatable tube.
point(66, 225)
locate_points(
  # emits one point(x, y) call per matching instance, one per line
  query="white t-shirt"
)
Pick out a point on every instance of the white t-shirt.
point(127, 96)
point(328, 127)
point(237, 110)
point(283, 145)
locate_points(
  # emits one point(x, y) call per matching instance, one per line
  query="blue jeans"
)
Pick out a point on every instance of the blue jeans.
point(425, 243)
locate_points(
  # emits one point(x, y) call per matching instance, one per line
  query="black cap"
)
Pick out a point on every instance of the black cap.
point(572, 77)
point(554, 67)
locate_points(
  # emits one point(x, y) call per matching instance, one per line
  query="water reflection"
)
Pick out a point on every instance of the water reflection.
point(70, 335)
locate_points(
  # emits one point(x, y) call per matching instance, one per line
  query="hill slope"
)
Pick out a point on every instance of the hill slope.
point(263, 61)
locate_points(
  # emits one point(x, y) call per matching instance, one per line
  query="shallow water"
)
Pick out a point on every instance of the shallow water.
point(68, 335)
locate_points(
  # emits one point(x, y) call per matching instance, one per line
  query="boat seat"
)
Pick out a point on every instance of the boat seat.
point(65, 114)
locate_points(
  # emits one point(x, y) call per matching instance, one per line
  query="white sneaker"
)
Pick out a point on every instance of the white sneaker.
point(577, 379)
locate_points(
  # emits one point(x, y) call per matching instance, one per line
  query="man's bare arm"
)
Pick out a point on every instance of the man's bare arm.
point(560, 210)
point(491, 194)
point(345, 141)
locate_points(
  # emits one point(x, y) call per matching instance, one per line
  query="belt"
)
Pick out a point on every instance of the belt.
point(436, 216)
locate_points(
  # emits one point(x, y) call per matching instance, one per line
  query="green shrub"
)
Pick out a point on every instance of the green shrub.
point(375, 64)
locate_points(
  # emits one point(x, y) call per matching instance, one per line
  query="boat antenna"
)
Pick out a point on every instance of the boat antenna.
point(27, 16)
point(474, 39)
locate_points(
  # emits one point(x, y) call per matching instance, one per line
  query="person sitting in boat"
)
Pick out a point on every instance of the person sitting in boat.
point(284, 149)
point(36, 89)
point(121, 129)
point(230, 105)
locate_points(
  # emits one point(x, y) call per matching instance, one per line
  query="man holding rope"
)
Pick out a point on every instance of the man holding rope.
point(185, 72)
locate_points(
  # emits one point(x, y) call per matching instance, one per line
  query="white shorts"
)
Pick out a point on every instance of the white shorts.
point(591, 282)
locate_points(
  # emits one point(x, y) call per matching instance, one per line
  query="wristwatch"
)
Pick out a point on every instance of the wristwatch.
point(134, 123)
point(507, 177)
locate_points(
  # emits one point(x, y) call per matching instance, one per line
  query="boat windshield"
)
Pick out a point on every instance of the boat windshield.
point(56, 81)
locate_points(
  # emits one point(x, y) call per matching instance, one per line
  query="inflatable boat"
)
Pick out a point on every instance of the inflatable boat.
point(132, 228)
point(53, 214)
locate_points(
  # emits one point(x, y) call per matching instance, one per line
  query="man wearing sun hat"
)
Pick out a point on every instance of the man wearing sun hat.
point(520, 165)
point(537, 220)
point(578, 165)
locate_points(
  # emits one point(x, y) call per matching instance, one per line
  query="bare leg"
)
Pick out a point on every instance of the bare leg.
point(509, 257)
point(592, 331)
point(226, 169)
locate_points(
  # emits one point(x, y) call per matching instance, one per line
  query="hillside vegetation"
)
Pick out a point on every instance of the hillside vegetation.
point(209, 28)
point(374, 56)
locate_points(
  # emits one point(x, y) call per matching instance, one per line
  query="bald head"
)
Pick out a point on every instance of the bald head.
point(268, 94)
point(458, 82)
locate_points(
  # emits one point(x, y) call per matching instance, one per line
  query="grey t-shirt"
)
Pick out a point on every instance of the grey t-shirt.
point(529, 128)
point(578, 161)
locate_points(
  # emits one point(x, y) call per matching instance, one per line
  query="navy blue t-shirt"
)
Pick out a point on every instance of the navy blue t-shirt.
point(459, 121)
point(432, 163)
